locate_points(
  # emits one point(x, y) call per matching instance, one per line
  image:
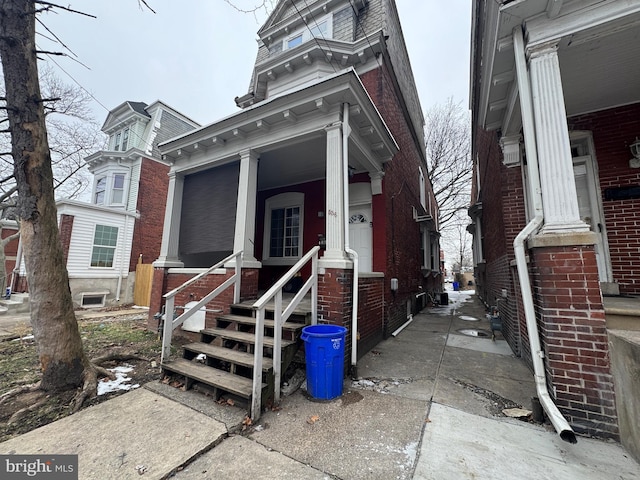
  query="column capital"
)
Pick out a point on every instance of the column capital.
point(249, 153)
point(542, 49)
point(333, 126)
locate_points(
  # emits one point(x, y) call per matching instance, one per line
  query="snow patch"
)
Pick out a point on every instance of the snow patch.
point(120, 383)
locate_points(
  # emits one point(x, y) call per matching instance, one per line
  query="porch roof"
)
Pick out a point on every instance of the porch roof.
point(598, 50)
point(294, 113)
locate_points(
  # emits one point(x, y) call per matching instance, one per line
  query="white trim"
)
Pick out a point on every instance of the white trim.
point(283, 200)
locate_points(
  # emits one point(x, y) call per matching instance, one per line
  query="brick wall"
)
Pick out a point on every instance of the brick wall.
point(613, 131)
point(66, 228)
point(370, 313)
point(503, 217)
point(574, 337)
point(396, 243)
point(335, 303)
point(152, 198)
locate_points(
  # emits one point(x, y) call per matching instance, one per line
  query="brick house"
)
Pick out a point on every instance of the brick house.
point(556, 195)
point(327, 150)
point(104, 239)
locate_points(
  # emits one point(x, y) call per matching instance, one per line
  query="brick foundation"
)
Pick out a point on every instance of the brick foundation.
point(574, 337)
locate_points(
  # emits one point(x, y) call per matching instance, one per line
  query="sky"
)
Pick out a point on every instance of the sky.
point(198, 59)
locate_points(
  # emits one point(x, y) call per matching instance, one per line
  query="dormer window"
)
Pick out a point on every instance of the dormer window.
point(322, 28)
point(121, 142)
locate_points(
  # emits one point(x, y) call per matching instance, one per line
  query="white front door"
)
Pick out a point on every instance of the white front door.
point(590, 204)
point(360, 236)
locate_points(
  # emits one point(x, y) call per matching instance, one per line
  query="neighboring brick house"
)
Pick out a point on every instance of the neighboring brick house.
point(328, 149)
point(556, 108)
point(104, 239)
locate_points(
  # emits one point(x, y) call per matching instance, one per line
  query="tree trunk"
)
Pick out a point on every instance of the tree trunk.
point(55, 328)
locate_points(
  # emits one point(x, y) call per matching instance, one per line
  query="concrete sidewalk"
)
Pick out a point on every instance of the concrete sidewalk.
point(428, 405)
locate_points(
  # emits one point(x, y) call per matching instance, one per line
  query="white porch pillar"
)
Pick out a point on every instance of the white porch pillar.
point(334, 255)
point(244, 238)
point(171, 230)
point(559, 198)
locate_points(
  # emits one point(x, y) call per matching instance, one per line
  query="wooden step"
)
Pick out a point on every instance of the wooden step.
point(228, 355)
point(292, 326)
point(241, 386)
point(244, 337)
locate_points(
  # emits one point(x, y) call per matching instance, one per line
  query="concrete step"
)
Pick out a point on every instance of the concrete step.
point(622, 312)
point(18, 303)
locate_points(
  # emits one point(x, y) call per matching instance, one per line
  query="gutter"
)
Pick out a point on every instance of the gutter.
point(537, 354)
point(346, 130)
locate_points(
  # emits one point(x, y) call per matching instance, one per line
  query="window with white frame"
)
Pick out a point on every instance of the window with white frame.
point(317, 28)
point(125, 139)
point(105, 240)
point(117, 192)
point(283, 228)
point(116, 145)
point(101, 189)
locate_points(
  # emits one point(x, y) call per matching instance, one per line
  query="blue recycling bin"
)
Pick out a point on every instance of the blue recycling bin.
point(324, 353)
point(456, 286)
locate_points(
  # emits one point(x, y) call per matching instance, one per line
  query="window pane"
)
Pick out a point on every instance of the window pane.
point(100, 189)
point(117, 144)
point(118, 181)
point(125, 139)
point(295, 41)
point(117, 193)
point(104, 242)
point(285, 232)
point(320, 30)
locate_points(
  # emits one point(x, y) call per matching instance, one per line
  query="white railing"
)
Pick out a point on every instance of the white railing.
point(171, 323)
point(280, 317)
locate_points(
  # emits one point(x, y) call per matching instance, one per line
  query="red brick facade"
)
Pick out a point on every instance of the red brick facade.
point(152, 199)
point(66, 227)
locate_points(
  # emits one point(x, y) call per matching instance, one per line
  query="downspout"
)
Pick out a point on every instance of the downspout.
point(122, 259)
point(526, 106)
point(352, 253)
point(126, 226)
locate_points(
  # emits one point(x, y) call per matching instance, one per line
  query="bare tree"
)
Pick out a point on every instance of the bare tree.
point(73, 134)
point(63, 361)
point(448, 143)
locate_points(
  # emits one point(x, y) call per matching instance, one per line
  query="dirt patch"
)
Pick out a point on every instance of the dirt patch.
point(19, 367)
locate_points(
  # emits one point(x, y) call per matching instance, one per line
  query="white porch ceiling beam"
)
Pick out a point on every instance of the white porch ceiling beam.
point(542, 29)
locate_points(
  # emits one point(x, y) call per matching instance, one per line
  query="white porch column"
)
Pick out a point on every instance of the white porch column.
point(171, 230)
point(334, 255)
point(244, 238)
point(559, 198)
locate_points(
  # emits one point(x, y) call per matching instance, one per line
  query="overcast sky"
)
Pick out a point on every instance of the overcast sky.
point(197, 55)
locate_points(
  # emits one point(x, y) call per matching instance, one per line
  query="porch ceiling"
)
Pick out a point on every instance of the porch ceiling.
point(599, 64)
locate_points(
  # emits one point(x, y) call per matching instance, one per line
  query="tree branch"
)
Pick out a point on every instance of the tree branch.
point(55, 5)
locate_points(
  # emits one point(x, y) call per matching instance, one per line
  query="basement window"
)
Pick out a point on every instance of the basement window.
point(93, 299)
